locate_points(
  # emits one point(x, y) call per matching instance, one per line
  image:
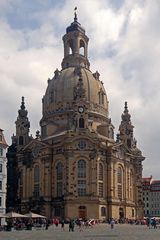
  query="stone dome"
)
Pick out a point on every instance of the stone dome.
point(61, 90)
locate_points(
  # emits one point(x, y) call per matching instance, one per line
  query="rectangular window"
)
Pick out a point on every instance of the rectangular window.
point(0, 138)
point(36, 190)
point(120, 191)
point(0, 185)
point(0, 167)
point(103, 211)
point(59, 189)
point(1, 152)
point(81, 187)
point(0, 201)
point(100, 189)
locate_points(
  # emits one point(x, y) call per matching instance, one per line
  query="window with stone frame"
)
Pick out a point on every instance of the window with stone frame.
point(131, 185)
point(100, 171)
point(81, 178)
point(59, 179)
point(81, 122)
point(103, 211)
point(100, 180)
point(36, 181)
point(120, 182)
point(100, 188)
point(101, 96)
point(81, 168)
point(81, 187)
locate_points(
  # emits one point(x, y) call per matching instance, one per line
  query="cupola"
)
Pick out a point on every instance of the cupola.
point(75, 46)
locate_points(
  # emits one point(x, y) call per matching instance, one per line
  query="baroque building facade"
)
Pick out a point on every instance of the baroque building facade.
point(75, 168)
point(3, 175)
point(151, 197)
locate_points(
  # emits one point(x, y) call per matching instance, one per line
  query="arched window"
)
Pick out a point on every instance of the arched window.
point(59, 171)
point(70, 47)
point(81, 123)
point(36, 180)
point(81, 177)
point(131, 185)
point(59, 178)
point(120, 182)
point(121, 213)
point(101, 172)
point(103, 211)
point(82, 48)
point(101, 96)
point(100, 182)
point(81, 168)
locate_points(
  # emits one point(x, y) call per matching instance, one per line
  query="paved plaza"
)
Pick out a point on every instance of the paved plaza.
point(98, 232)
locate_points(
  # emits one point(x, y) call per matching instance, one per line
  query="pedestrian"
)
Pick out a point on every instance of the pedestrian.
point(81, 225)
point(71, 225)
point(112, 223)
point(62, 225)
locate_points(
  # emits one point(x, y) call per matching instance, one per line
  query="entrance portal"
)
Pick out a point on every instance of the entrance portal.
point(121, 213)
point(82, 213)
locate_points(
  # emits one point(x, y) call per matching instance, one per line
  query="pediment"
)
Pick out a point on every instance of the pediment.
point(121, 150)
point(34, 147)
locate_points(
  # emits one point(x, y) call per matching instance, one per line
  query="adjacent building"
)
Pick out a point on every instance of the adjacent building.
point(151, 197)
point(75, 167)
point(3, 173)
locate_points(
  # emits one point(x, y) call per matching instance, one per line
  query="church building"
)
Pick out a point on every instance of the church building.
point(74, 167)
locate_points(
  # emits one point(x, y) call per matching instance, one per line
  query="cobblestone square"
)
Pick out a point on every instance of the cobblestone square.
point(98, 232)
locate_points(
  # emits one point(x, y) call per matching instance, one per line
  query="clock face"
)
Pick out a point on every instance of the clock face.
point(80, 109)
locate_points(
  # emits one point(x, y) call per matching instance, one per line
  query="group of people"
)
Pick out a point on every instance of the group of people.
point(81, 223)
point(151, 223)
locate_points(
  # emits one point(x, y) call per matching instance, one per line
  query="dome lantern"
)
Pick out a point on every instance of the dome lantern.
point(75, 46)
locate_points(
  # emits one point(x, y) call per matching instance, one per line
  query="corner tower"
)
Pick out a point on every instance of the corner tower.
point(22, 126)
point(126, 128)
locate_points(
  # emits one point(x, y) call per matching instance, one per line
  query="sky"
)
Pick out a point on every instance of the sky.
point(124, 47)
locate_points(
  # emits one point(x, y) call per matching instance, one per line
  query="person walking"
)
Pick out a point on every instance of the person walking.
point(71, 226)
point(62, 225)
point(112, 223)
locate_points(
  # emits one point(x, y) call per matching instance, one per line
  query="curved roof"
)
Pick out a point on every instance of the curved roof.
point(63, 86)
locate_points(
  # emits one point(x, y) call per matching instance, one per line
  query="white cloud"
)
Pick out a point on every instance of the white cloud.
point(124, 47)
